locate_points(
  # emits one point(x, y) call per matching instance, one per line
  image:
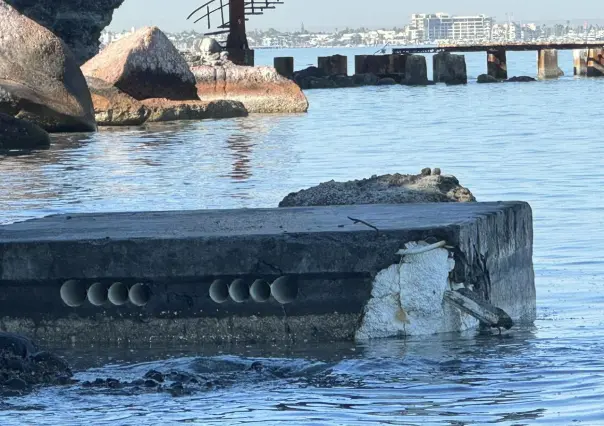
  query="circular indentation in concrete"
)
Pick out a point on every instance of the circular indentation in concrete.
point(239, 291)
point(118, 294)
point(139, 294)
point(73, 293)
point(98, 294)
point(260, 291)
point(219, 291)
point(284, 290)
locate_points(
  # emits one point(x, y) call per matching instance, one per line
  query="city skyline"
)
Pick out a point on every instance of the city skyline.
point(340, 14)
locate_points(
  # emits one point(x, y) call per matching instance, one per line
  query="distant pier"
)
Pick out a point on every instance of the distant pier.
point(408, 66)
point(589, 57)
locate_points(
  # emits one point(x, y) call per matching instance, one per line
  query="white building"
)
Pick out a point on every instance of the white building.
point(427, 27)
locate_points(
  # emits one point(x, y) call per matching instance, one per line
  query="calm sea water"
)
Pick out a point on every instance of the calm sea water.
point(539, 142)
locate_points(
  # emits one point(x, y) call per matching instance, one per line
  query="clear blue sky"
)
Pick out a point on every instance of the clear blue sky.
point(328, 14)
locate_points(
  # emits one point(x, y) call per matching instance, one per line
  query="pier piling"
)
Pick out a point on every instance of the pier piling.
point(284, 66)
point(580, 61)
point(449, 68)
point(548, 64)
point(497, 66)
point(595, 63)
point(333, 65)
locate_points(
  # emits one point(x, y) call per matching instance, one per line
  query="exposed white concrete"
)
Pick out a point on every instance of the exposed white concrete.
point(407, 299)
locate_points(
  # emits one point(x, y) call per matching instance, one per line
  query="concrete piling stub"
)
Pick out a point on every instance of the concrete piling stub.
point(333, 65)
point(416, 71)
point(360, 65)
point(284, 66)
point(595, 63)
point(548, 64)
point(497, 66)
point(580, 61)
point(449, 69)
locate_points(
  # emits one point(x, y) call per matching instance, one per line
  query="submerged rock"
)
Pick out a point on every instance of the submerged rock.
point(387, 81)
point(386, 189)
point(40, 80)
point(259, 89)
point(144, 65)
point(21, 134)
point(367, 79)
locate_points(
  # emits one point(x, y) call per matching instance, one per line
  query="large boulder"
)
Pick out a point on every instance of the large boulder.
point(21, 134)
point(144, 65)
point(427, 187)
point(40, 80)
point(260, 89)
point(79, 23)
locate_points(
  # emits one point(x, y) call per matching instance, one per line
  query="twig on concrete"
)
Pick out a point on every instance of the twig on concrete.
point(422, 249)
point(357, 221)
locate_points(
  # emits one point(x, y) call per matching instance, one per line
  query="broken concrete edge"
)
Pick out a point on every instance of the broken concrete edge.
point(491, 254)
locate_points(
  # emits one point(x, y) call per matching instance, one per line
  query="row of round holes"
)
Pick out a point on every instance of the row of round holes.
point(284, 290)
point(74, 294)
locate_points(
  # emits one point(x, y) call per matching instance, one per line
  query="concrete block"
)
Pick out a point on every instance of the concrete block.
point(227, 275)
point(333, 65)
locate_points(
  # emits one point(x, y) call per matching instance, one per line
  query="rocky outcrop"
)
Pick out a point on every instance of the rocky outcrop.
point(427, 187)
point(206, 51)
point(21, 134)
point(260, 89)
point(79, 23)
point(450, 69)
point(40, 80)
point(165, 110)
point(23, 365)
point(144, 65)
point(112, 107)
point(116, 108)
point(486, 78)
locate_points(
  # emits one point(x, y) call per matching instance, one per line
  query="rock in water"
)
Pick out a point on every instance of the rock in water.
point(39, 77)
point(485, 78)
point(386, 189)
point(21, 134)
point(22, 366)
point(260, 89)
point(144, 65)
point(116, 108)
point(78, 23)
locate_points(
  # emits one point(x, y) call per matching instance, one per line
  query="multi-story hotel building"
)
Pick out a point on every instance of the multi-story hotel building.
point(427, 27)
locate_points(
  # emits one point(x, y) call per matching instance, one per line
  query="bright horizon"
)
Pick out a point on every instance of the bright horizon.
point(327, 15)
